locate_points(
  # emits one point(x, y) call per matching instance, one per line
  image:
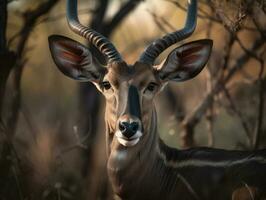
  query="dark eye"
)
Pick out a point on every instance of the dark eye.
point(151, 87)
point(106, 85)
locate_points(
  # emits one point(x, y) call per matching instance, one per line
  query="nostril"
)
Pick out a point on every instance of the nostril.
point(122, 127)
point(134, 126)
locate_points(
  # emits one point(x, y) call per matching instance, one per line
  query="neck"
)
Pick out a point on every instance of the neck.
point(126, 164)
point(135, 170)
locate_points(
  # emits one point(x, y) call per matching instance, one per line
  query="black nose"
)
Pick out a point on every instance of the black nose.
point(128, 129)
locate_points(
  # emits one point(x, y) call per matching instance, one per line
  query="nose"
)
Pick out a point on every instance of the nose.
point(128, 129)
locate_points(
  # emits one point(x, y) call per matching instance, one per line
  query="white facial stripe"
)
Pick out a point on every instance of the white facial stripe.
point(208, 163)
point(128, 142)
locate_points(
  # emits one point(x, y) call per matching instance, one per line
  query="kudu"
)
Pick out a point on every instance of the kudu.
point(140, 165)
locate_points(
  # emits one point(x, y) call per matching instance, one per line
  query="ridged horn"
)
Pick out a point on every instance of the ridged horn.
point(161, 44)
point(95, 38)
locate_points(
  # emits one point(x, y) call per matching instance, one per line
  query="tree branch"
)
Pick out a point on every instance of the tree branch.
point(193, 119)
point(6, 57)
point(31, 18)
point(3, 22)
point(161, 22)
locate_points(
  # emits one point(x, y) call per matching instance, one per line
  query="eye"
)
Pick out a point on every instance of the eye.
point(151, 87)
point(106, 85)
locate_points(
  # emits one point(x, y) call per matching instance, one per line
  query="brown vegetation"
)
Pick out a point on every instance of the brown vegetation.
point(51, 132)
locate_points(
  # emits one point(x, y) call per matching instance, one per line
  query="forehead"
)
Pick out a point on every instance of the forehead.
point(139, 73)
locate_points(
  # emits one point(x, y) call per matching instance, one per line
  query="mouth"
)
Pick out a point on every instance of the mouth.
point(128, 142)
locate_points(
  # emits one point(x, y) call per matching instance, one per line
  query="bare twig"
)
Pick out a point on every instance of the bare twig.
point(254, 18)
point(232, 25)
point(157, 21)
point(79, 143)
point(209, 85)
point(28, 118)
point(58, 187)
point(203, 14)
point(243, 59)
point(252, 54)
point(239, 115)
point(210, 113)
point(188, 186)
point(260, 116)
point(18, 184)
point(251, 194)
point(56, 17)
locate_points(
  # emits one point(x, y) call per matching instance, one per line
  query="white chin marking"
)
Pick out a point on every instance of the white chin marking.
point(128, 143)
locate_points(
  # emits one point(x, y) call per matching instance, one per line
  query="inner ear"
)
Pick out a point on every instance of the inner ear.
point(185, 62)
point(73, 53)
point(74, 59)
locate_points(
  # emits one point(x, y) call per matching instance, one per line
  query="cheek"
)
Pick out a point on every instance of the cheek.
point(109, 94)
point(111, 104)
point(111, 111)
point(148, 96)
point(146, 108)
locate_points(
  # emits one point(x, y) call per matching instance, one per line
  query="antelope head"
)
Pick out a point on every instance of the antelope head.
point(129, 90)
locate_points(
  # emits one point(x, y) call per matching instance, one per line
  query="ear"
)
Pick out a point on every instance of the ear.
point(186, 61)
point(74, 59)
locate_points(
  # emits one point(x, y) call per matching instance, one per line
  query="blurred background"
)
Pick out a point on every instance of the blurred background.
point(52, 135)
